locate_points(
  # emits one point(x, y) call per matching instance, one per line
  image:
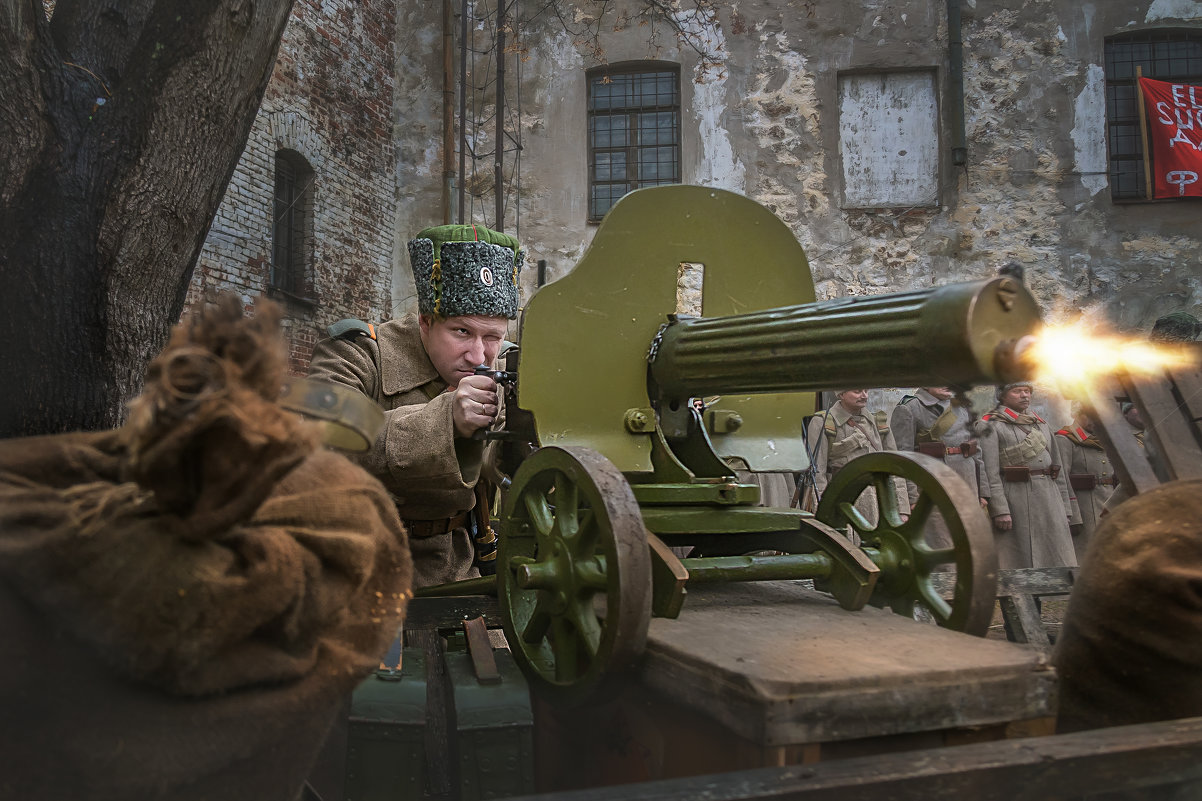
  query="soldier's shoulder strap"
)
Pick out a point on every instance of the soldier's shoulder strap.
point(351, 328)
point(1064, 432)
point(829, 426)
point(987, 416)
point(882, 422)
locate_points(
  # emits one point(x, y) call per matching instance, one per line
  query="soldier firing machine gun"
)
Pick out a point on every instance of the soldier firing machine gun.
point(612, 465)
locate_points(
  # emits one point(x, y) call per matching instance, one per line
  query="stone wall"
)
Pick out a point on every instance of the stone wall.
point(762, 117)
point(330, 99)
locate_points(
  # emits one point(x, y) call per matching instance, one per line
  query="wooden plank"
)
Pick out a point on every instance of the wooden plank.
point(1023, 623)
point(450, 612)
point(829, 673)
point(484, 663)
point(439, 705)
point(1188, 381)
point(1118, 759)
point(1130, 459)
point(1174, 435)
point(1038, 581)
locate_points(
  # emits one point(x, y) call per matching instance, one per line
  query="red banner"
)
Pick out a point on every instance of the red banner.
point(1175, 132)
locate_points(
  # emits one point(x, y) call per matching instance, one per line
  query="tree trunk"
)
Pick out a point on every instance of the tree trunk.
point(123, 121)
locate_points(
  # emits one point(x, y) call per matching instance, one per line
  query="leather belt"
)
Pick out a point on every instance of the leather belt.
point(433, 528)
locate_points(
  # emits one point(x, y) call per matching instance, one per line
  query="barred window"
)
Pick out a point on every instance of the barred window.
point(633, 130)
point(1164, 55)
point(292, 227)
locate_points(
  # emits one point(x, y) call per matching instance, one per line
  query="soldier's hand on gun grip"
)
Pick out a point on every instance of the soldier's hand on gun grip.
point(1003, 522)
point(475, 405)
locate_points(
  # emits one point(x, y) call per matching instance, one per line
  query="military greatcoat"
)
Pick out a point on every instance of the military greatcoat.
point(1091, 478)
point(922, 422)
point(428, 469)
point(836, 437)
point(1038, 502)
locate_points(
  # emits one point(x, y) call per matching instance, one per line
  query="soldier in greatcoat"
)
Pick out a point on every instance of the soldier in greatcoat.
point(1029, 498)
point(420, 369)
point(932, 422)
point(1091, 477)
point(844, 432)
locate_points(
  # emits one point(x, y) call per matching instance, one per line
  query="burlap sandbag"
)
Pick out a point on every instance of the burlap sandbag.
point(193, 594)
point(1131, 647)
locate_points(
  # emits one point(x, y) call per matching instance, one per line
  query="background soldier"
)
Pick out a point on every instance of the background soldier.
point(932, 422)
point(1029, 499)
point(421, 370)
point(845, 432)
point(1090, 476)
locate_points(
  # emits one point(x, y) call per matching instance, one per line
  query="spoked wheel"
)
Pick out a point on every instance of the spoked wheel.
point(573, 572)
point(900, 549)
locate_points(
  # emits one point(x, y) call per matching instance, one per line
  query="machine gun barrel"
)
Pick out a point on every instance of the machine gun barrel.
point(955, 335)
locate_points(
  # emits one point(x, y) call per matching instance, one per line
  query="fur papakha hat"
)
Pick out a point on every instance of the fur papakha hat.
point(1004, 388)
point(466, 269)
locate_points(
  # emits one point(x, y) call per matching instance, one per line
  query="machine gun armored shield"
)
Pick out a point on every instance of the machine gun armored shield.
point(612, 465)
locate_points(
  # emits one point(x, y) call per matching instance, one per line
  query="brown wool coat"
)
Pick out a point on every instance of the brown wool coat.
point(1086, 459)
point(831, 453)
point(1130, 650)
point(429, 470)
point(1039, 508)
point(149, 658)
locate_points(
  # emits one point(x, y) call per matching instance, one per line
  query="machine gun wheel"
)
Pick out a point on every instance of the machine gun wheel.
point(899, 547)
point(573, 572)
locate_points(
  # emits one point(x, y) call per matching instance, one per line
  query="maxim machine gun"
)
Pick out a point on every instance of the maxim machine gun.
point(613, 466)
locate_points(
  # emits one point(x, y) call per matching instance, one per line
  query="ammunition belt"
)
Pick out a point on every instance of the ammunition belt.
point(433, 528)
point(941, 451)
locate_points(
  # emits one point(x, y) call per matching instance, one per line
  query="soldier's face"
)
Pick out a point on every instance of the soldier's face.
point(939, 393)
point(854, 400)
point(1017, 398)
point(456, 345)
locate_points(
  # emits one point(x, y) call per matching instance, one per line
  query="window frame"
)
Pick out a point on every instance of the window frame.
point(1121, 91)
point(292, 256)
point(634, 148)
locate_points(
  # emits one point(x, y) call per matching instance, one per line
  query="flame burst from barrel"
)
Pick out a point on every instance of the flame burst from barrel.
point(1074, 357)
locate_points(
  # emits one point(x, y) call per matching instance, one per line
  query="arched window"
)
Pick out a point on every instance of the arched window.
point(1164, 55)
point(633, 130)
point(292, 225)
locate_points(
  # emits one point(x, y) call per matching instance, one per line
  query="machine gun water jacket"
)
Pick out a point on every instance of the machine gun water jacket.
point(1027, 482)
point(430, 472)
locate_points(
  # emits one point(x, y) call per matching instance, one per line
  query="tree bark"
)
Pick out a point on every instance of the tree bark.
point(123, 121)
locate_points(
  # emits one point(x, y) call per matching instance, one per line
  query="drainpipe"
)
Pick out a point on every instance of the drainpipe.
point(955, 57)
point(448, 109)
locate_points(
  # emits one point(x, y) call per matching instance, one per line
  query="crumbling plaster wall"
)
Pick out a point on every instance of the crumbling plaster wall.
point(765, 123)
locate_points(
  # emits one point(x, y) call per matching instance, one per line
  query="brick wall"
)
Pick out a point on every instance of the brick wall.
point(330, 100)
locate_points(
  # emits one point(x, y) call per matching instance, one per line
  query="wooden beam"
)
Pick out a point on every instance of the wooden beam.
point(1075, 765)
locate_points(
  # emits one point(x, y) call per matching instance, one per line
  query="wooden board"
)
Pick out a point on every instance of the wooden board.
point(777, 663)
point(1153, 757)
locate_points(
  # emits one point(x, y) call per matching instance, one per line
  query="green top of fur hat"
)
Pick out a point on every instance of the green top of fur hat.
point(440, 234)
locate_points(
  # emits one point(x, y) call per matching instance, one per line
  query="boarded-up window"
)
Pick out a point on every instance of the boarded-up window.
point(889, 139)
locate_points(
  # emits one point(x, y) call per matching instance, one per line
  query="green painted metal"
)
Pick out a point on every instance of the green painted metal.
point(585, 337)
point(759, 568)
point(734, 520)
point(494, 724)
point(948, 336)
point(386, 741)
point(568, 515)
point(724, 494)
point(899, 548)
